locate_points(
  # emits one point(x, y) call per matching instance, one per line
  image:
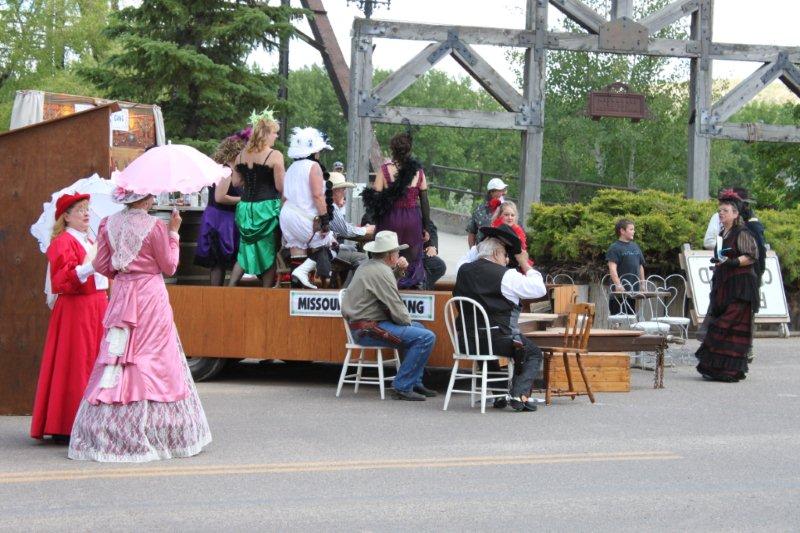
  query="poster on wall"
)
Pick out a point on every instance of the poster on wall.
point(326, 304)
point(697, 265)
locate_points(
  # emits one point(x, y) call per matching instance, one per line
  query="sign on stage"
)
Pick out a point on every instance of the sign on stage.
point(326, 304)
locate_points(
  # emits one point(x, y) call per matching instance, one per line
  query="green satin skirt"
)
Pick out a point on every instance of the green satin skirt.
point(257, 222)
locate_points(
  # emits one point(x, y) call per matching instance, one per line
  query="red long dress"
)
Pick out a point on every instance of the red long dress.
point(73, 340)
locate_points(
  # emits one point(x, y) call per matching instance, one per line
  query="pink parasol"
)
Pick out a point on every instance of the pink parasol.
point(170, 168)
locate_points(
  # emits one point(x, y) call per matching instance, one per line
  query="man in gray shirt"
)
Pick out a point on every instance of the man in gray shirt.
point(379, 317)
point(625, 266)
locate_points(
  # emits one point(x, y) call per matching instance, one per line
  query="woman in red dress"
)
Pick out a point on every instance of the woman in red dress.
point(76, 325)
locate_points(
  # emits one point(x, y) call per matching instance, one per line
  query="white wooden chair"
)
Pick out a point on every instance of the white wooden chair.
point(359, 363)
point(466, 331)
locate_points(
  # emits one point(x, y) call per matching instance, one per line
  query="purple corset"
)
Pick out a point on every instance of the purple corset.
point(409, 200)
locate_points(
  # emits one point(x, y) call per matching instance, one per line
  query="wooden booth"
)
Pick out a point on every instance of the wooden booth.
point(134, 126)
point(35, 161)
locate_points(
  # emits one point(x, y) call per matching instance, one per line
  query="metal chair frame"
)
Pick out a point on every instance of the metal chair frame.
point(629, 317)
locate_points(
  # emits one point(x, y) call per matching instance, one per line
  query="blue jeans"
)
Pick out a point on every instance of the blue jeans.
point(417, 344)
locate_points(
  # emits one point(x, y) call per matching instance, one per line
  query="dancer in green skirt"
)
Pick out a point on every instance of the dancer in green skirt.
point(259, 173)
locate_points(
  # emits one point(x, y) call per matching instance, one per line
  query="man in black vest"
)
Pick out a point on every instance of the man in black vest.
point(499, 289)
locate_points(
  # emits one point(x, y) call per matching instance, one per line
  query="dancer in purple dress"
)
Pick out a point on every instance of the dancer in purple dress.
point(218, 239)
point(398, 202)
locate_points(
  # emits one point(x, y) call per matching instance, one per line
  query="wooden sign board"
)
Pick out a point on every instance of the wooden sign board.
point(696, 264)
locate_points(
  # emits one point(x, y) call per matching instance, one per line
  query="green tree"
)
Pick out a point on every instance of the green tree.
point(42, 43)
point(190, 57)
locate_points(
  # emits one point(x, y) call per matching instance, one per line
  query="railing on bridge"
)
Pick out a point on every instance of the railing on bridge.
point(480, 178)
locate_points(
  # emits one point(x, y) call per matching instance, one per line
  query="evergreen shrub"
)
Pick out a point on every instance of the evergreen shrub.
point(574, 238)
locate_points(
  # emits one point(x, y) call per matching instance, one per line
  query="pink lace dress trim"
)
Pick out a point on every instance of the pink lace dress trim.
point(126, 233)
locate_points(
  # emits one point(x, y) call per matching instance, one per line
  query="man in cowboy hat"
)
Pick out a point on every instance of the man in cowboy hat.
point(341, 228)
point(379, 317)
point(499, 289)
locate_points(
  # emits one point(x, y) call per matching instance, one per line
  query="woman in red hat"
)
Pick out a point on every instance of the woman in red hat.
point(76, 325)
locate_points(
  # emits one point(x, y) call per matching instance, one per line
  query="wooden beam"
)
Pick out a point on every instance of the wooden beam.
point(453, 118)
point(761, 53)
point(791, 78)
point(655, 22)
point(581, 14)
point(359, 130)
point(621, 8)
point(700, 84)
point(487, 77)
point(401, 79)
point(756, 132)
point(744, 92)
point(386, 29)
point(576, 42)
point(532, 140)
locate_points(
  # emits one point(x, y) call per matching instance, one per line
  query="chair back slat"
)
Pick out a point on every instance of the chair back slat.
point(579, 325)
point(473, 320)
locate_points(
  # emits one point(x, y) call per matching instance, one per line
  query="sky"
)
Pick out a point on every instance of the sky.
point(774, 22)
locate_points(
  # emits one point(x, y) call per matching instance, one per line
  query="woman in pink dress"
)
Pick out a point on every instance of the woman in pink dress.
point(140, 403)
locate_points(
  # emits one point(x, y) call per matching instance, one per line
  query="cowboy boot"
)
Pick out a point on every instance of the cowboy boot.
point(300, 274)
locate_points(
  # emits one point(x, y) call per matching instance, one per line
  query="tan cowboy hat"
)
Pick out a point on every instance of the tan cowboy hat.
point(338, 181)
point(385, 241)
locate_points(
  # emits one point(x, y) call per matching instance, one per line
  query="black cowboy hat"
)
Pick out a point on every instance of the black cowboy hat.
point(506, 235)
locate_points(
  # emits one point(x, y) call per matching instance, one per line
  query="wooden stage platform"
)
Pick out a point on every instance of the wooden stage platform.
point(240, 323)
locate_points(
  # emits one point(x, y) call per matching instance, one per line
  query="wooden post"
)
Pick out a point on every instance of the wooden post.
point(621, 8)
point(530, 186)
point(359, 135)
point(700, 101)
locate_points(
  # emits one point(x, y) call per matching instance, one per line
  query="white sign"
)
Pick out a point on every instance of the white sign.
point(326, 304)
point(83, 107)
point(119, 120)
point(773, 298)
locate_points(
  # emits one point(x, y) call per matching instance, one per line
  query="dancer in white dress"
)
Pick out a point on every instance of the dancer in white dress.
point(305, 215)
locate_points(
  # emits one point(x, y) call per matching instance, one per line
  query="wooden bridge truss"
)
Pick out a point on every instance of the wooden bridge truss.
point(524, 112)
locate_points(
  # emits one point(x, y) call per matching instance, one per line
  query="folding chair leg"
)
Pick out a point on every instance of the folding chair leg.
point(345, 366)
point(583, 375)
point(450, 385)
point(568, 370)
point(380, 373)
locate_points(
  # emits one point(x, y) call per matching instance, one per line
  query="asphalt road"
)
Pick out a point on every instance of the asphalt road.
point(288, 455)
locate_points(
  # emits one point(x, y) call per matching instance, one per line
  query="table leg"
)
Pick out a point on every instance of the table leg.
point(658, 373)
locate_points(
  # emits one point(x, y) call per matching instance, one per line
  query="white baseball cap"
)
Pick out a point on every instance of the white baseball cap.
point(496, 184)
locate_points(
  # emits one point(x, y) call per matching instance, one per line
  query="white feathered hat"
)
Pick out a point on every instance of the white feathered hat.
point(306, 141)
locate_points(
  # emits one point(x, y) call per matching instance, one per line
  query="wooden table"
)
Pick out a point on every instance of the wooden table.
point(612, 340)
point(536, 321)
